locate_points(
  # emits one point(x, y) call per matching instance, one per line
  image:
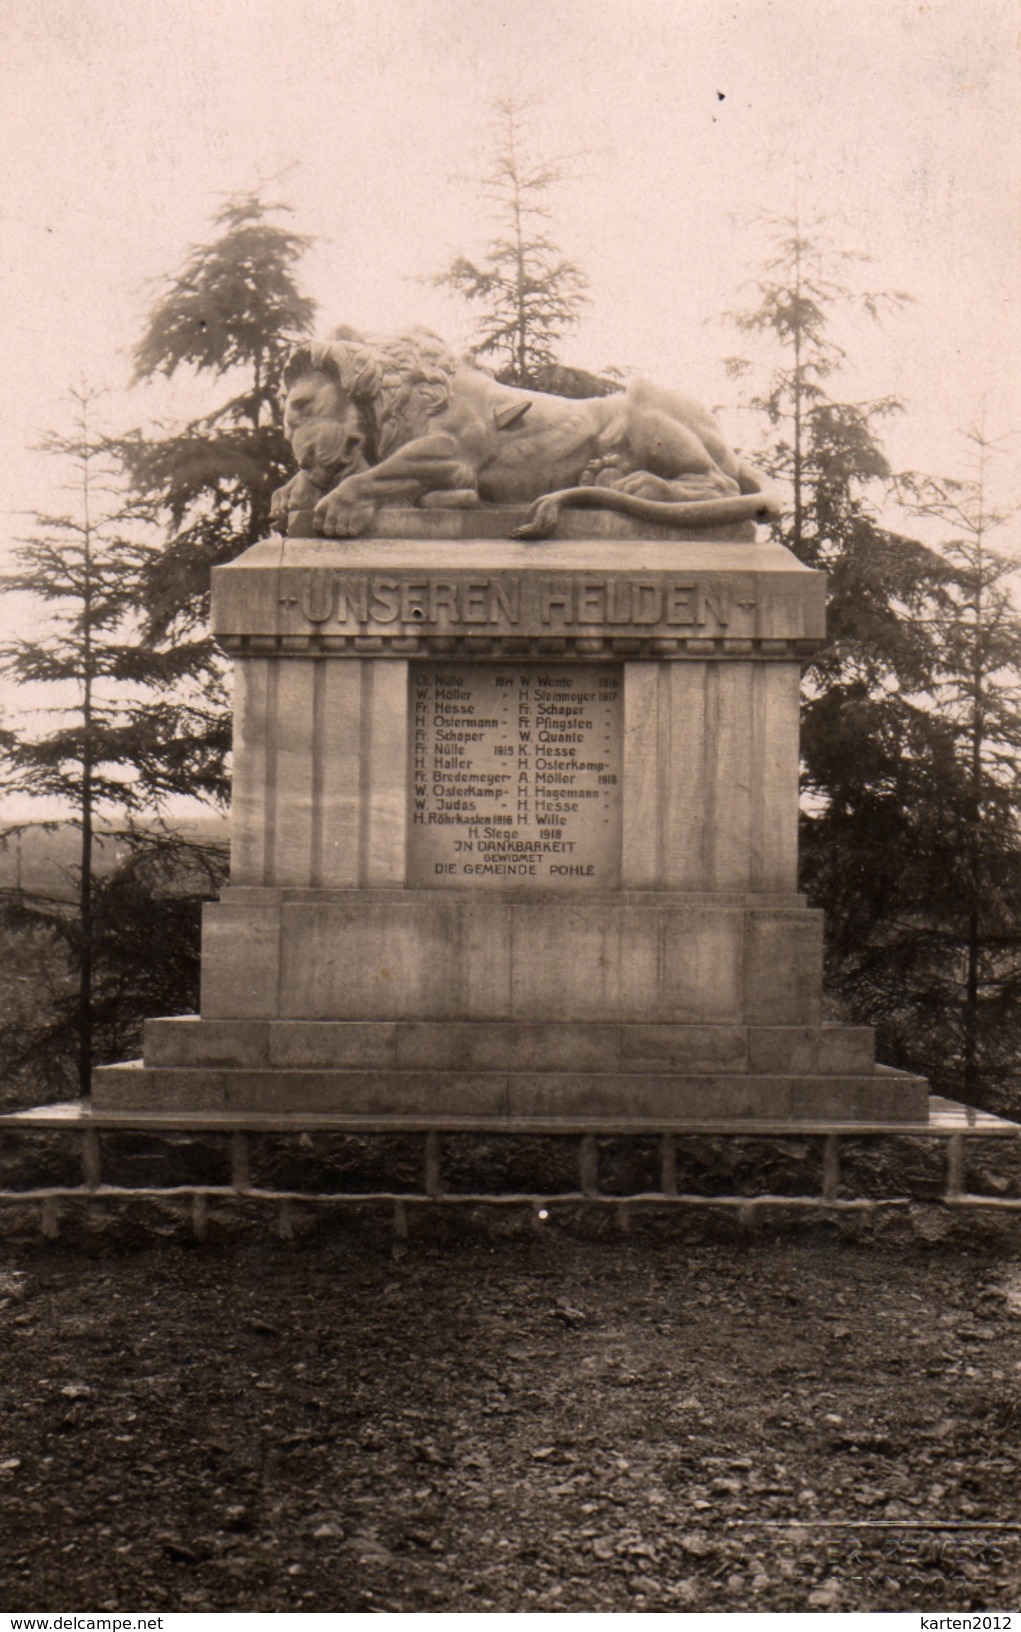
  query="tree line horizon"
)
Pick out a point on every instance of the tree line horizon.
point(910, 838)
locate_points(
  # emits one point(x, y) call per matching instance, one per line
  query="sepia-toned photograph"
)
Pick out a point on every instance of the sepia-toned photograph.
point(510, 810)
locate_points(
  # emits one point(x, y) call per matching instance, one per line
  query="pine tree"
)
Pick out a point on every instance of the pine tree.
point(881, 650)
point(110, 745)
point(230, 314)
point(815, 440)
point(233, 311)
point(151, 719)
point(527, 295)
point(975, 905)
point(876, 752)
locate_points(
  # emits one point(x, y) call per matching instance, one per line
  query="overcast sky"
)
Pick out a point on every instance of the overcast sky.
point(126, 122)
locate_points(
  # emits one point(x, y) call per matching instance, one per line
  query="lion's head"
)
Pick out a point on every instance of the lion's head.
point(382, 389)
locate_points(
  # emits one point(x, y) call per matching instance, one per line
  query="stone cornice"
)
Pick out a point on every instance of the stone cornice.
point(596, 598)
point(509, 647)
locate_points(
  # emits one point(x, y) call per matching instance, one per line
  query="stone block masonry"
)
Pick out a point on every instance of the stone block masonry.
point(515, 835)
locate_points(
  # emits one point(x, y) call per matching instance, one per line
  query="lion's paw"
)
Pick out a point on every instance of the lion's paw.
point(606, 471)
point(334, 518)
point(280, 506)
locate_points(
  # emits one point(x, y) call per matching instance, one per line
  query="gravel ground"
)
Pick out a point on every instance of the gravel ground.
point(546, 1422)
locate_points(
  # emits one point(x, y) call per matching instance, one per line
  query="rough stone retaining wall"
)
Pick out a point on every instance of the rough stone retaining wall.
point(92, 1184)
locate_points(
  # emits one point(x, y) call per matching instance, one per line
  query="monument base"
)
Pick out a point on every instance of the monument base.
point(628, 1005)
point(515, 840)
point(616, 1097)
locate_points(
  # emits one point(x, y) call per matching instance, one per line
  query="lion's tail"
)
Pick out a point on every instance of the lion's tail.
point(759, 504)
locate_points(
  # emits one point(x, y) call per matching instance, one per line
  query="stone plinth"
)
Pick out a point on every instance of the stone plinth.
point(515, 834)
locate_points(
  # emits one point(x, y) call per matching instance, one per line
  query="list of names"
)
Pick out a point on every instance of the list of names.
point(515, 776)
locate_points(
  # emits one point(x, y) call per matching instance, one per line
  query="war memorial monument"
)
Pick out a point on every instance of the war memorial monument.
point(515, 799)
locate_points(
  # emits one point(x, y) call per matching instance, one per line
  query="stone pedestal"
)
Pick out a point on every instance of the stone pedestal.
point(515, 836)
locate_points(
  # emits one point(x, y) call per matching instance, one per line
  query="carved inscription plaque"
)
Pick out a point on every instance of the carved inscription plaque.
point(515, 776)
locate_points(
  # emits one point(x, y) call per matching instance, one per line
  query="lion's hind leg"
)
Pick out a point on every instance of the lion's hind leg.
point(693, 486)
point(670, 436)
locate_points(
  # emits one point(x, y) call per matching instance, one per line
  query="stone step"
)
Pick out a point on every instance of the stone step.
point(568, 1046)
point(890, 1096)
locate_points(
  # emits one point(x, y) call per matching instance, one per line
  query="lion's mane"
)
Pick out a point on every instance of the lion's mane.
point(399, 381)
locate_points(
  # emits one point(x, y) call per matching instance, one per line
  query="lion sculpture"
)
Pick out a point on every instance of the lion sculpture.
point(399, 419)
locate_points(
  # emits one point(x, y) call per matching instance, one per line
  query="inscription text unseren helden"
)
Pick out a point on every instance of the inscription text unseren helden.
point(508, 602)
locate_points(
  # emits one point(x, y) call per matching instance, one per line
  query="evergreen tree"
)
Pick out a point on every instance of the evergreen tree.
point(878, 760)
point(527, 295)
point(151, 718)
point(233, 311)
point(974, 910)
point(110, 746)
point(881, 648)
